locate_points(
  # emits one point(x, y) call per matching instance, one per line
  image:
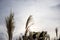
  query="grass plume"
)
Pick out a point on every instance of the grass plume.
point(27, 23)
point(10, 25)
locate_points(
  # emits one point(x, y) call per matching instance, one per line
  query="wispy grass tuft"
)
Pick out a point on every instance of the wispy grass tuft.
point(10, 25)
point(27, 23)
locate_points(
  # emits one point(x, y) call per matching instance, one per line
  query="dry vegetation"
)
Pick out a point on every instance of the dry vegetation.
point(10, 25)
point(32, 35)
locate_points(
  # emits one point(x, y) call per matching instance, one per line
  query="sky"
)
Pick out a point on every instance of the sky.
point(45, 13)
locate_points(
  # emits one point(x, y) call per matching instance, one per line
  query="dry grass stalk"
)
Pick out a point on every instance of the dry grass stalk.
point(10, 25)
point(27, 23)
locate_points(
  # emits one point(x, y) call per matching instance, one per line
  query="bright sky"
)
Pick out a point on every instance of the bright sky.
point(46, 14)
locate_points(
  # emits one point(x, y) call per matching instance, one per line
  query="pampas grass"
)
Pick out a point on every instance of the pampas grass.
point(27, 23)
point(10, 25)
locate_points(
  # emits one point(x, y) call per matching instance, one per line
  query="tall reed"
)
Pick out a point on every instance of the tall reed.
point(27, 23)
point(10, 25)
